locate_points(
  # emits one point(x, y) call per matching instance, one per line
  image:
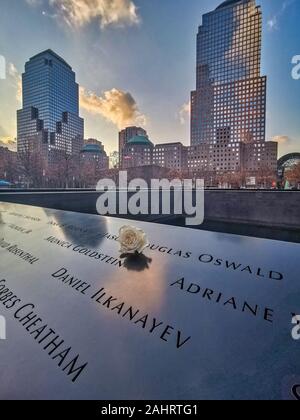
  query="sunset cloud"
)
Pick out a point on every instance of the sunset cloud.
point(34, 2)
point(185, 113)
point(2, 132)
point(116, 106)
point(272, 23)
point(282, 139)
point(7, 141)
point(77, 13)
point(16, 80)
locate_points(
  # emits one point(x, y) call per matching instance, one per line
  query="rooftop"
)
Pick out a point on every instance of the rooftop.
point(50, 52)
point(91, 148)
point(143, 140)
point(228, 3)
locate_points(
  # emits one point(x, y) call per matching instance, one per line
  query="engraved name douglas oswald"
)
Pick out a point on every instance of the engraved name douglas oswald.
point(207, 259)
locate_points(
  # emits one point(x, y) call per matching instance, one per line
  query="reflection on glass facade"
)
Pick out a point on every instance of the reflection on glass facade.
point(229, 103)
point(50, 111)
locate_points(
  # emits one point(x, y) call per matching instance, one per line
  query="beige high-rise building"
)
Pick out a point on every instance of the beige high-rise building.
point(171, 156)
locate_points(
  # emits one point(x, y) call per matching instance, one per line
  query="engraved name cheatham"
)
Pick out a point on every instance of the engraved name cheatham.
point(50, 341)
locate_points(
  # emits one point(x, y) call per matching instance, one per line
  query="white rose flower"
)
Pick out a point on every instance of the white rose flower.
point(132, 240)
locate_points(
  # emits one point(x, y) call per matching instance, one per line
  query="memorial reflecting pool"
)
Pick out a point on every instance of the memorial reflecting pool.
point(203, 315)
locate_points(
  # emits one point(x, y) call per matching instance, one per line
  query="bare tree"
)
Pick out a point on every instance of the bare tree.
point(8, 165)
point(31, 164)
point(265, 177)
point(63, 170)
point(293, 175)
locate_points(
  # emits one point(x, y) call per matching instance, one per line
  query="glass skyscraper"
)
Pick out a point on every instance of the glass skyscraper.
point(50, 115)
point(229, 103)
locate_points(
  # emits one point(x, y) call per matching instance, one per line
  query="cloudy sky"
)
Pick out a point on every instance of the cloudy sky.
point(135, 62)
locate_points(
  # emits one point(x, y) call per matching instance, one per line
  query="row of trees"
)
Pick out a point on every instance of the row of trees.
point(293, 175)
point(264, 178)
point(7, 164)
point(29, 169)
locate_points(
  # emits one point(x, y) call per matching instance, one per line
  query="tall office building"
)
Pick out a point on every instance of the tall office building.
point(229, 103)
point(49, 119)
